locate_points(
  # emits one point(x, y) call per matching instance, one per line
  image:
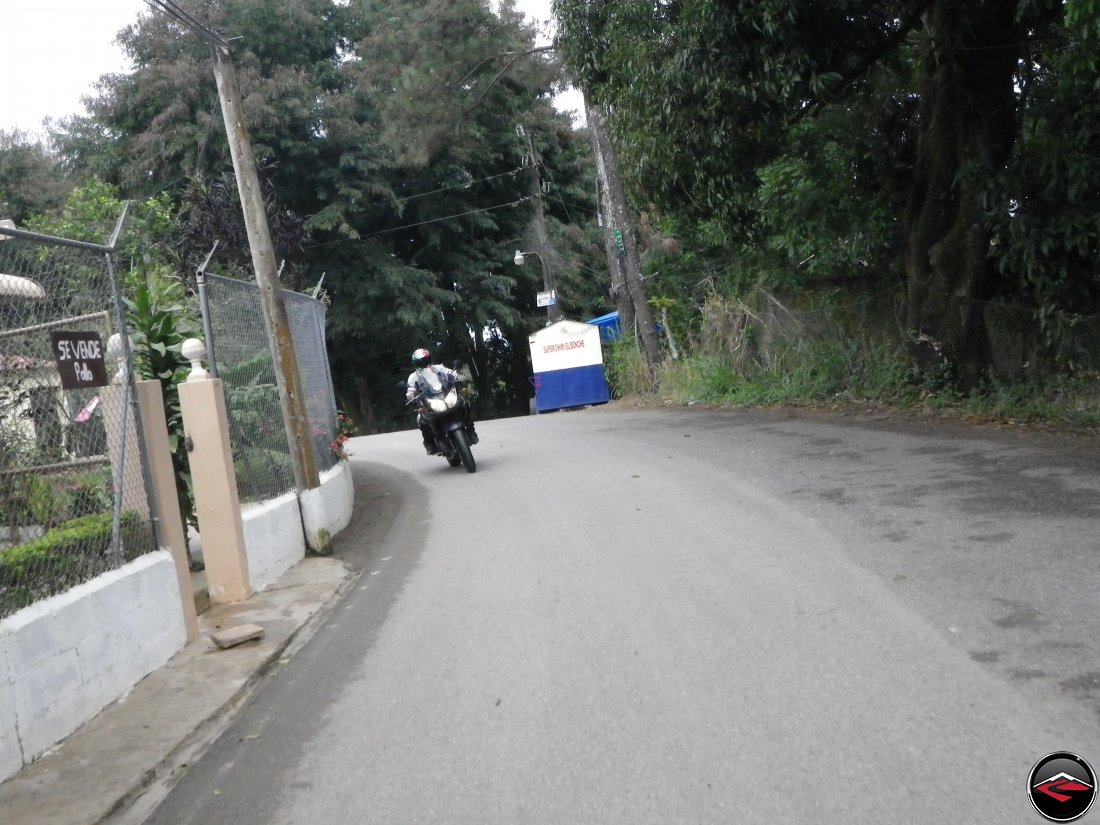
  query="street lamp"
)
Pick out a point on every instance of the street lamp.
point(553, 313)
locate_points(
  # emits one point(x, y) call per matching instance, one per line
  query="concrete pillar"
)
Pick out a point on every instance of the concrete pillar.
point(154, 426)
point(214, 481)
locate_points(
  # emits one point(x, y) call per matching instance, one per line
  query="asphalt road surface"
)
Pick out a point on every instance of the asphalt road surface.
point(688, 616)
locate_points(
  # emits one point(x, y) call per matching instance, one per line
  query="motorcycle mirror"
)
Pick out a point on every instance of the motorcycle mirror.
point(458, 364)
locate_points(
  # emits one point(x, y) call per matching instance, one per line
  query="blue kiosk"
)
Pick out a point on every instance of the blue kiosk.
point(567, 362)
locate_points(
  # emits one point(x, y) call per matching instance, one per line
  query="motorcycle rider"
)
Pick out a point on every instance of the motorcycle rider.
point(429, 377)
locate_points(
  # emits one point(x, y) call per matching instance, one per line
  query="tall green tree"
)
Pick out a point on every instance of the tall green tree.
point(31, 181)
point(716, 103)
point(387, 134)
point(450, 89)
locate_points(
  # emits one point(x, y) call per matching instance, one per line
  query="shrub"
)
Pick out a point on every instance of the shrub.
point(66, 556)
point(625, 367)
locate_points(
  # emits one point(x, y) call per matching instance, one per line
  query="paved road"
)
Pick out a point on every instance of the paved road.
point(677, 616)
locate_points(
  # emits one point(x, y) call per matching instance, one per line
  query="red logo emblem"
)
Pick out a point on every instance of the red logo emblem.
point(1062, 786)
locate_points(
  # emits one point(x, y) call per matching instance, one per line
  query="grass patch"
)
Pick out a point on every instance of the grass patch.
point(835, 372)
point(625, 368)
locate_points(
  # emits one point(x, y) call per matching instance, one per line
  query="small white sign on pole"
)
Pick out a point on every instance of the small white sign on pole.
point(546, 299)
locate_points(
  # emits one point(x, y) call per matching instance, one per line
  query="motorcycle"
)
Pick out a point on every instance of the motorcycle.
point(448, 413)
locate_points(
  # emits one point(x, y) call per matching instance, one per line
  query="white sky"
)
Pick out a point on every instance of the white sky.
point(53, 51)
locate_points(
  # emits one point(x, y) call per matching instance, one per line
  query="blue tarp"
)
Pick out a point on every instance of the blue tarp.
point(609, 326)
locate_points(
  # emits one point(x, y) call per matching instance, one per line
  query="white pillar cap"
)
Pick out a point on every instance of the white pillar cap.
point(194, 351)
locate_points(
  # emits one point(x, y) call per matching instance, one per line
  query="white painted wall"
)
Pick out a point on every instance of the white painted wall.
point(67, 657)
point(273, 538)
point(11, 750)
point(273, 530)
point(64, 659)
point(327, 510)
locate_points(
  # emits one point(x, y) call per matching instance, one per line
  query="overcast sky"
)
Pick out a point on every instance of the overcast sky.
point(53, 51)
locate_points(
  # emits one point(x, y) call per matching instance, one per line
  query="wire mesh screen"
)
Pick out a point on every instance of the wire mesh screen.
point(1011, 342)
point(1021, 341)
point(242, 357)
point(72, 482)
point(307, 329)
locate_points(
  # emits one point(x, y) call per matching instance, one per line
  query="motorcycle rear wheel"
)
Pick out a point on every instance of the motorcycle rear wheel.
point(464, 451)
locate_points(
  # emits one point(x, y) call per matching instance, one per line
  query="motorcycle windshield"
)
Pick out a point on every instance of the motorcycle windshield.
point(432, 381)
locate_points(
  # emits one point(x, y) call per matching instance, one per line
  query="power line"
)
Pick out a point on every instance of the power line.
point(511, 173)
point(169, 8)
point(422, 223)
point(449, 217)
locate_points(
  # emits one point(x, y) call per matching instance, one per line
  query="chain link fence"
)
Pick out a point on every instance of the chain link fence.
point(73, 489)
point(1011, 342)
point(240, 355)
point(307, 329)
point(1026, 342)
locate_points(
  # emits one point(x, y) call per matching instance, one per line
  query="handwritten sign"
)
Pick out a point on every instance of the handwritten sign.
point(80, 359)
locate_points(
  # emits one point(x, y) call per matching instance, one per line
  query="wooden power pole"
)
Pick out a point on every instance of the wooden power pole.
point(276, 322)
point(542, 237)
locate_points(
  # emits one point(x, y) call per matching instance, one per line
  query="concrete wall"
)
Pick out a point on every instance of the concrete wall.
point(64, 659)
point(273, 538)
point(327, 510)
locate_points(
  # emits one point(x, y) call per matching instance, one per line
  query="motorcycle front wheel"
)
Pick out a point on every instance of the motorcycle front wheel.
point(464, 451)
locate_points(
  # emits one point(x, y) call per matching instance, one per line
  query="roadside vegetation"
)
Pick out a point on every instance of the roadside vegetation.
point(883, 202)
point(844, 373)
point(877, 203)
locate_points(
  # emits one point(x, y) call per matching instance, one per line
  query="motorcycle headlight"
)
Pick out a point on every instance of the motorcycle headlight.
point(451, 398)
point(437, 405)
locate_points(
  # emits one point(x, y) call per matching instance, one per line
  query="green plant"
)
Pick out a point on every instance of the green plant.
point(71, 553)
point(88, 493)
point(43, 506)
point(161, 318)
point(625, 367)
point(345, 429)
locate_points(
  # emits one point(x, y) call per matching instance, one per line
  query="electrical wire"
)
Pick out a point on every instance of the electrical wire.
point(173, 11)
point(449, 217)
point(512, 173)
point(422, 223)
point(557, 190)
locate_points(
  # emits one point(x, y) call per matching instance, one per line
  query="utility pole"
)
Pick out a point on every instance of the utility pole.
point(542, 237)
point(618, 218)
point(291, 398)
point(623, 302)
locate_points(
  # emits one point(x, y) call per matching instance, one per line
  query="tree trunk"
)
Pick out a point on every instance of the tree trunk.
point(618, 217)
point(967, 122)
point(597, 130)
point(367, 423)
point(518, 378)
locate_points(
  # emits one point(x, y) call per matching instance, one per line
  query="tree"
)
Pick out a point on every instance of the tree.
point(1044, 207)
point(30, 180)
point(710, 96)
point(634, 310)
point(444, 83)
point(387, 137)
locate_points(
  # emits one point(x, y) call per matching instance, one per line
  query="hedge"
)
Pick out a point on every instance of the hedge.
point(69, 554)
